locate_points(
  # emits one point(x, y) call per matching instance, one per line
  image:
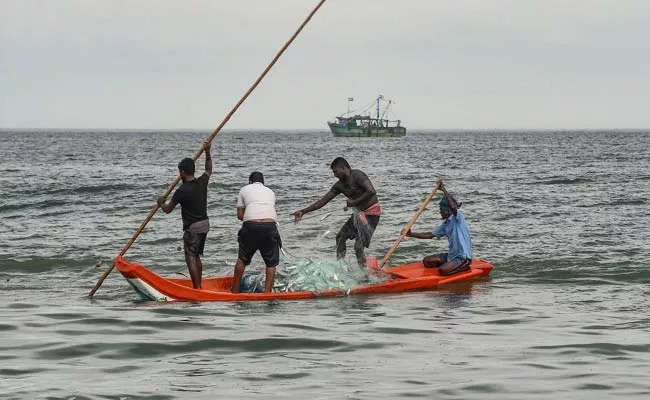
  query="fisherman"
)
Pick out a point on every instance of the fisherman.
point(459, 256)
point(356, 186)
point(192, 195)
point(256, 207)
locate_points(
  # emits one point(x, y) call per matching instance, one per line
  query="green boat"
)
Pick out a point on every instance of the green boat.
point(365, 125)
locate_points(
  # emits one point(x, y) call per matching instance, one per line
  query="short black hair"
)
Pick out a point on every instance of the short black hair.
point(187, 165)
point(256, 177)
point(339, 162)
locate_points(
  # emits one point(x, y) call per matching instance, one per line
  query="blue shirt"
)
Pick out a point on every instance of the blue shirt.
point(457, 232)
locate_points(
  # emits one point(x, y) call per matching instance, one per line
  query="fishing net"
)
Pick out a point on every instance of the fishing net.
point(358, 227)
point(305, 274)
point(313, 276)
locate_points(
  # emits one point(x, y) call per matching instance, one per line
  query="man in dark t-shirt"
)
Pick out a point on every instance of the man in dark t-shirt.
point(356, 186)
point(192, 195)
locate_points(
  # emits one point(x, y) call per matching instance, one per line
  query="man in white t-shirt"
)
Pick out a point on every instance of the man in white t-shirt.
point(256, 207)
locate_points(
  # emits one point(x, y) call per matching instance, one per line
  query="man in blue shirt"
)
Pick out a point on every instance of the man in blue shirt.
point(454, 227)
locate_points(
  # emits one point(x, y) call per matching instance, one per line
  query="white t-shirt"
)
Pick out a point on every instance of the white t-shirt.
point(258, 200)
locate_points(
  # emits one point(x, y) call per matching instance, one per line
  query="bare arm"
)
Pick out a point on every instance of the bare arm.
point(208, 159)
point(240, 213)
point(419, 235)
point(167, 207)
point(314, 206)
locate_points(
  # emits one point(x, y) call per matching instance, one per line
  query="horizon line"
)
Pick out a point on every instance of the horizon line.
point(241, 130)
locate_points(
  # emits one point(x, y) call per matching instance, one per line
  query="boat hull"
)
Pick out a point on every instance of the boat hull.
point(340, 131)
point(403, 278)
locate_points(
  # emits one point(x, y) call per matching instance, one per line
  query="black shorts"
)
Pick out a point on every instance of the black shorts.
point(262, 236)
point(194, 243)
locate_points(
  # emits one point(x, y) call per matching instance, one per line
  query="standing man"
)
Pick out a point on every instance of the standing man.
point(459, 256)
point(356, 186)
point(192, 195)
point(256, 207)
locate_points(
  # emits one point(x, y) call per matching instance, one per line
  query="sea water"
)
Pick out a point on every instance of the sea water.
point(562, 215)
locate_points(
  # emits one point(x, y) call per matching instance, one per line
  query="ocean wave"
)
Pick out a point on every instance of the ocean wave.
point(44, 264)
point(146, 349)
point(22, 205)
point(562, 181)
point(576, 271)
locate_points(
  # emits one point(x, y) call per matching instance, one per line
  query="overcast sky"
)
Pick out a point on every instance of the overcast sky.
point(447, 64)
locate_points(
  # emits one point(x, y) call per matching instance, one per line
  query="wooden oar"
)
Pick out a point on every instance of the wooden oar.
point(209, 140)
point(409, 225)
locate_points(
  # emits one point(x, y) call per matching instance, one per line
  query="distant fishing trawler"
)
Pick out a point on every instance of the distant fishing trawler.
point(367, 126)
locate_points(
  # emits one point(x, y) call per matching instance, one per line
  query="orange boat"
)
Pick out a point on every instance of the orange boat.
point(403, 278)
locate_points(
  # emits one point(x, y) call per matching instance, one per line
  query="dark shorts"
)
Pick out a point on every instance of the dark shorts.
point(194, 243)
point(262, 236)
point(457, 264)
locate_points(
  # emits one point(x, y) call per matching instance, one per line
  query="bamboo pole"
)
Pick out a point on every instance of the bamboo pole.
point(209, 140)
point(409, 225)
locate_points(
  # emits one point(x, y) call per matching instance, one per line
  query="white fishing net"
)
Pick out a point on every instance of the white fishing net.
point(296, 273)
point(363, 230)
point(313, 276)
